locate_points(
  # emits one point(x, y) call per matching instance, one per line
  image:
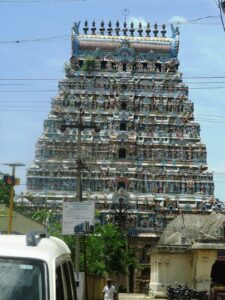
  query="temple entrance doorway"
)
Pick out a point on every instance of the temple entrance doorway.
point(218, 271)
point(217, 290)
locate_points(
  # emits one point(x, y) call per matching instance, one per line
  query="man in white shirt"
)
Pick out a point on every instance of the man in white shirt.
point(109, 291)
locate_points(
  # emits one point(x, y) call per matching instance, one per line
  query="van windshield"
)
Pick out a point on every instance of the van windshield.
point(22, 279)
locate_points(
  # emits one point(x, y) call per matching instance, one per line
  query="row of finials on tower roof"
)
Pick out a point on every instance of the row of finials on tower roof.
point(125, 30)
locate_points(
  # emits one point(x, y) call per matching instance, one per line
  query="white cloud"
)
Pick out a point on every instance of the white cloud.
point(136, 21)
point(177, 20)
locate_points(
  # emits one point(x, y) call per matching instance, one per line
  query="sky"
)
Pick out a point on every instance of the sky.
point(35, 44)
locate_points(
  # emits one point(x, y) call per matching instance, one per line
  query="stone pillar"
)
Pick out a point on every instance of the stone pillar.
point(202, 266)
point(157, 270)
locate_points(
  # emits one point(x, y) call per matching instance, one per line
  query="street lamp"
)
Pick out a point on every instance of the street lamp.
point(13, 166)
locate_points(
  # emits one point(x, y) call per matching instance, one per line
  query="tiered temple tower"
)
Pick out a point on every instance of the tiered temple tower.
point(147, 159)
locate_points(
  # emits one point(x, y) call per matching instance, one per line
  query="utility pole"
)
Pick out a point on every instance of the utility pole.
point(120, 210)
point(13, 166)
point(80, 166)
point(222, 4)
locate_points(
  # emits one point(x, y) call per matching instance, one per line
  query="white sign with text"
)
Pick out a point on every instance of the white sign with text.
point(78, 217)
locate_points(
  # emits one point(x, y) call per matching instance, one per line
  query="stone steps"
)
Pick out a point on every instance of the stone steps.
point(125, 296)
point(131, 296)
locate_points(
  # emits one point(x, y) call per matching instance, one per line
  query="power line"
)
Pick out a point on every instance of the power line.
point(43, 109)
point(203, 18)
point(209, 121)
point(22, 106)
point(205, 82)
point(66, 37)
point(202, 77)
point(10, 79)
point(28, 91)
point(11, 84)
point(25, 110)
point(196, 20)
point(47, 39)
point(38, 1)
point(206, 88)
point(46, 79)
point(43, 90)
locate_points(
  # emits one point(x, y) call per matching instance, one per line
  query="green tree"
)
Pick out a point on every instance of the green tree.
point(109, 250)
point(4, 192)
point(106, 250)
point(42, 215)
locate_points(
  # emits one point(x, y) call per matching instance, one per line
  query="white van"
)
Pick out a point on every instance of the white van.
point(35, 267)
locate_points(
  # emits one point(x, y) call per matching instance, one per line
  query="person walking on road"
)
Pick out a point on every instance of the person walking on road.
point(109, 291)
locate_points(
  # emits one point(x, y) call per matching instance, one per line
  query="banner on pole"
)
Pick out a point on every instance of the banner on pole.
point(78, 217)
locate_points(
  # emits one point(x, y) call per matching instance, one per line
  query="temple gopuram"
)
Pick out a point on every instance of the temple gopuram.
point(122, 129)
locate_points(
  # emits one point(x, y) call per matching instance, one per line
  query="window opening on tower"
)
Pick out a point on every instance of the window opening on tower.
point(122, 153)
point(124, 86)
point(81, 63)
point(103, 64)
point(121, 185)
point(123, 125)
point(123, 105)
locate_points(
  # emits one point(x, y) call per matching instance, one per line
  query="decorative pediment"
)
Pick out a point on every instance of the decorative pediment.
point(147, 100)
point(140, 57)
point(124, 115)
point(125, 54)
point(151, 55)
point(123, 137)
point(109, 57)
point(121, 194)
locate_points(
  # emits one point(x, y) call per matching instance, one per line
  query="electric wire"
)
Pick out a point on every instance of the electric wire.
point(48, 90)
point(47, 39)
point(202, 77)
point(195, 20)
point(27, 91)
point(57, 79)
point(43, 109)
point(186, 83)
point(38, 1)
point(215, 181)
point(66, 37)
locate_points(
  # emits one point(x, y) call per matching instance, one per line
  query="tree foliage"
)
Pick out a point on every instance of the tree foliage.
point(4, 193)
point(107, 251)
point(42, 215)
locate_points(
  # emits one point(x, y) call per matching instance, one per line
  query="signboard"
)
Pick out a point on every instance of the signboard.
point(78, 217)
